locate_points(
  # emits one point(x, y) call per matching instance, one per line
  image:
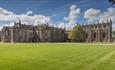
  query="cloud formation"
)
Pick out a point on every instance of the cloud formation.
point(34, 19)
point(92, 14)
point(97, 15)
point(29, 13)
point(109, 14)
point(70, 21)
point(73, 14)
point(72, 17)
point(27, 18)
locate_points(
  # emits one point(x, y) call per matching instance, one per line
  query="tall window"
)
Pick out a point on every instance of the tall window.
point(104, 35)
point(6, 33)
point(94, 35)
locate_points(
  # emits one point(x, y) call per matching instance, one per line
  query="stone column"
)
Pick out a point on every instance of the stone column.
point(109, 31)
point(106, 33)
point(99, 36)
point(12, 35)
point(90, 36)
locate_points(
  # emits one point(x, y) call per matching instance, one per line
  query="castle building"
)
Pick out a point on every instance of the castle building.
point(101, 32)
point(21, 33)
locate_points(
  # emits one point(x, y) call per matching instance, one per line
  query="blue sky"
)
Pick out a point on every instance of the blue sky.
point(56, 9)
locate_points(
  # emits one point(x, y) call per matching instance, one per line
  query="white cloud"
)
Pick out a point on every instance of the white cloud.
point(11, 24)
point(40, 19)
point(27, 18)
point(72, 17)
point(70, 26)
point(92, 14)
point(1, 27)
point(109, 14)
point(113, 27)
point(5, 12)
point(73, 14)
point(97, 15)
point(29, 13)
point(61, 25)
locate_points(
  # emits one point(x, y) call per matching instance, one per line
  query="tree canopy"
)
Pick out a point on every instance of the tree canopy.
point(77, 34)
point(113, 33)
point(112, 1)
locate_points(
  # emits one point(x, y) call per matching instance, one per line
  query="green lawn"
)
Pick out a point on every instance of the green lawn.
point(73, 56)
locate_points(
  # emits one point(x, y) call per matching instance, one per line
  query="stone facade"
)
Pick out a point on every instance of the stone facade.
point(101, 32)
point(21, 33)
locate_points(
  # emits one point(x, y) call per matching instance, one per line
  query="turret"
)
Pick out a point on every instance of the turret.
point(19, 22)
point(110, 21)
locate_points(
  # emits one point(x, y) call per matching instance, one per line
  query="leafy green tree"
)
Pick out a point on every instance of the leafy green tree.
point(77, 34)
point(113, 33)
point(112, 1)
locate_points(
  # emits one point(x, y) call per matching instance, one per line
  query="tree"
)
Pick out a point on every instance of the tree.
point(77, 34)
point(113, 33)
point(112, 1)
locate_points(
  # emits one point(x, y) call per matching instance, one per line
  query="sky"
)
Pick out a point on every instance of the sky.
point(60, 13)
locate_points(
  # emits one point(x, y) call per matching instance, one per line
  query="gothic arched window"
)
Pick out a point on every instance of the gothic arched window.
point(6, 33)
point(104, 35)
point(94, 35)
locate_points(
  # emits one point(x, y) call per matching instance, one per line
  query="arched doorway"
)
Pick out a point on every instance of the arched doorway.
point(103, 36)
point(94, 36)
point(32, 40)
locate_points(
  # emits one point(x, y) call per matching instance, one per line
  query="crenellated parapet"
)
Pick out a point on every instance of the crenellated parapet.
point(99, 32)
point(99, 25)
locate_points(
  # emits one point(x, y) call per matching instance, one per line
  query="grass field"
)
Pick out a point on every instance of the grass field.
point(54, 56)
